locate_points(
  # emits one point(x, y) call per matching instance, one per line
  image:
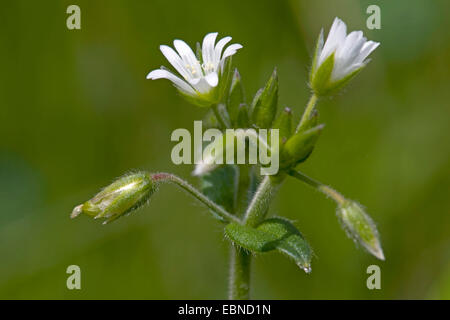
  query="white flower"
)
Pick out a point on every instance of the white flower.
point(198, 79)
point(345, 55)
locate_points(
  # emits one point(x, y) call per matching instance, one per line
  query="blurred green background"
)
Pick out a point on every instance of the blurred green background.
point(77, 112)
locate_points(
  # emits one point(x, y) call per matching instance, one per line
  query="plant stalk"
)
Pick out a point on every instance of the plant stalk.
point(308, 111)
point(168, 177)
point(328, 191)
point(239, 281)
point(259, 205)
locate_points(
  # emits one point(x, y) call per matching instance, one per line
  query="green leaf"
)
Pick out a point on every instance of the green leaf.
point(273, 234)
point(219, 186)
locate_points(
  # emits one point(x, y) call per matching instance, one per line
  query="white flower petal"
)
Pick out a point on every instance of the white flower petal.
point(351, 45)
point(179, 83)
point(230, 50)
point(202, 86)
point(336, 36)
point(175, 60)
point(212, 79)
point(350, 50)
point(219, 48)
point(188, 57)
point(208, 53)
point(367, 49)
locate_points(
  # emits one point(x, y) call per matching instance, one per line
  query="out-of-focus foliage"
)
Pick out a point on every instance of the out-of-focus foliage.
point(77, 112)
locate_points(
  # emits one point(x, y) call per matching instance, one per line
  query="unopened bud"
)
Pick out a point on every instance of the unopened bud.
point(123, 196)
point(264, 106)
point(360, 227)
point(284, 124)
point(298, 147)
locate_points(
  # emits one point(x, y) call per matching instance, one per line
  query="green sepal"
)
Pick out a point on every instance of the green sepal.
point(336, 86)
point(321, 77)
point(360, 227)
point(319, 46)
point(264, 107)
point(299, 147)
point(273, 234)
point(284, 124)
point(123, 196)
point(242, 118)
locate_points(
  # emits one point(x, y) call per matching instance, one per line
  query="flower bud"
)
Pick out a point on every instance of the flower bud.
point(264, 106)
point(123, 196)
point(242, 117)
point(298, 147)
point(284, 124)
point(339, 59)
point(360, 227)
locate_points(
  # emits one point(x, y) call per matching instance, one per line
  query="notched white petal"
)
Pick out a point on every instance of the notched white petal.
point(231, 50)
point(179, 83)
point(208, 52)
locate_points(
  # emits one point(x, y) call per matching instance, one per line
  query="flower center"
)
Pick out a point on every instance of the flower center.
point(208, 67)
point(191, 69)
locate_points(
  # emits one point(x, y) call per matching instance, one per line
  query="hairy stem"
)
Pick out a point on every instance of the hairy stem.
point(328, 191)
point(259, 205)
point(239, 281)
point(308, 111)
point(168, 177)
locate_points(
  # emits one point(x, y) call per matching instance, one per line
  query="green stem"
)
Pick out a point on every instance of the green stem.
point(168, 177)
point(259, 205)
point(308, 110)
point(219, 117)
point(239, 281)
point(328, 191)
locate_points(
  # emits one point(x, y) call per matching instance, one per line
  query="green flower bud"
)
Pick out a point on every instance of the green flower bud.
point(360, 227)
point(284, 124)
point(243, 120)
point(264, 106)
point(298, 147)
point(123, 196)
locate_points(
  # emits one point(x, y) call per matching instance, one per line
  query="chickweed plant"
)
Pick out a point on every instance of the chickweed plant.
point(238, 193)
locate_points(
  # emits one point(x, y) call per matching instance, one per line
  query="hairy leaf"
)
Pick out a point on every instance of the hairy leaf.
point(273, 234)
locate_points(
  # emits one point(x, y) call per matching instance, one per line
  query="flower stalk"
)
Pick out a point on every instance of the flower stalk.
point(310, 107)
point(168, 177)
